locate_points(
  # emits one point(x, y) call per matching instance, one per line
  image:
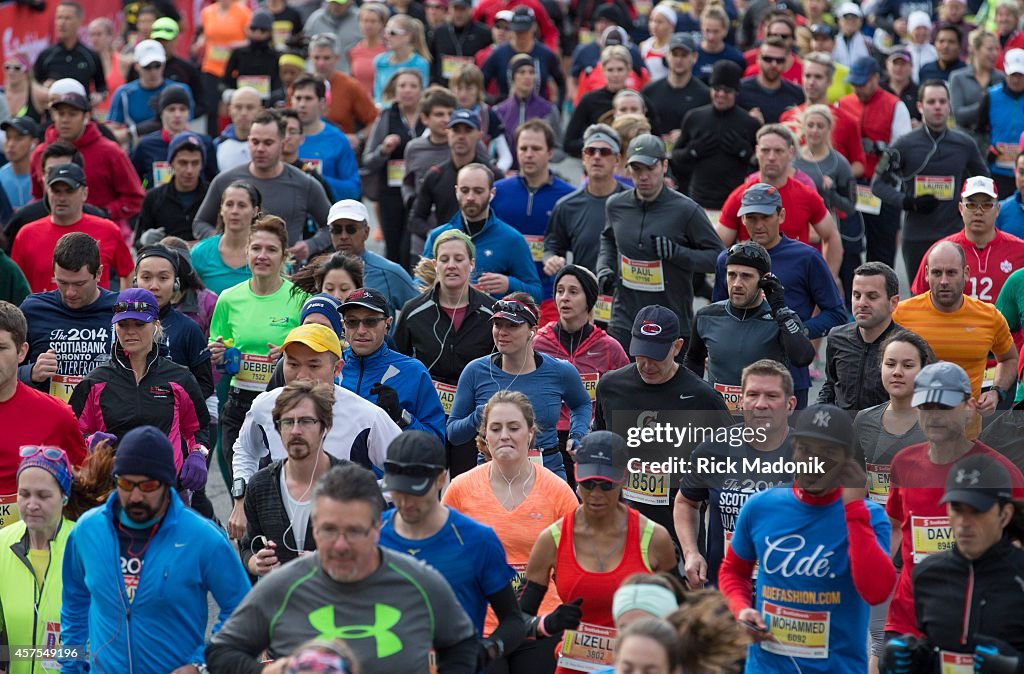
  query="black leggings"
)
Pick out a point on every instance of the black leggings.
point(532, 657)
point(231, 419)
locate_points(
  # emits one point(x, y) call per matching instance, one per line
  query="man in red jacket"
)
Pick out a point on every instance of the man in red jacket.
point(115, 184)
point(487, 10)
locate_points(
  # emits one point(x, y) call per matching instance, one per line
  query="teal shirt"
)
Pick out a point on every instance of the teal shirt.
point(210, 266)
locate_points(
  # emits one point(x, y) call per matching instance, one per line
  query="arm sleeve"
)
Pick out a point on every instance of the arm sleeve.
point(735, 581)
point(608, 256)
point(511, 627)
point(235, 647)
point(702, 246)
point(428, 415)
point(843, 194)
point(423, 204)
point(796, 345)
point(574, 131)
point(504, 160)
point(74, 610)
point(206, 216)
point(870, 565)
point(253, 526)
point(556, 239)
point(826, 297)
point(900, 121)
point(248, 448)
point(964, 112)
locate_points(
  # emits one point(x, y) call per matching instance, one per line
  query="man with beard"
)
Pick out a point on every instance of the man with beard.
point(145, 534)
point(468, 554)
point(277, 498)
point(391, 609)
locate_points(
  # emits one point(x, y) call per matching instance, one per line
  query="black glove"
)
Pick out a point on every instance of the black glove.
point(490, 650)
point(736, 145)
point(774, 292)
point(606, 282)
point(664, 247)
point(903, 655)
point(703, 145)
point(923, 205)
point(387, 400)
point(992, 656)
point(565, 617)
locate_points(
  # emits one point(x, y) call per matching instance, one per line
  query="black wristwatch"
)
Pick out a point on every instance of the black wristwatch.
point(1001, 393)
point(238, 488)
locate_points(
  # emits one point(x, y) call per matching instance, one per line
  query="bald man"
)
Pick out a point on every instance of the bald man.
point(233, 144)
point(959, 328)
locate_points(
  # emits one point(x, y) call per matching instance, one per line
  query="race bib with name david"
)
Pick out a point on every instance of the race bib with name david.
point(930, 535)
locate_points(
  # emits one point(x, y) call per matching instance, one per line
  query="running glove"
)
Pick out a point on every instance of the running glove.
point(992, 656)
point(387, 400)
point(774, 292)
point(565, 617)
point(193, 471)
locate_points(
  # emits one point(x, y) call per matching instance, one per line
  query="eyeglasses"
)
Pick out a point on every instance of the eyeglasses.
point(289, 423)
point(143, 307)
point(392, 32)
point(603, 151)
point(371, 323)
point(777, 60)
point(14, 67)
point(348, 229)
point(781, 36)
point(145, 486)
point(603, 485)
point(351, 535)
point(51, 453)
point(412, 469)
point(153, 66)
point(979, 205)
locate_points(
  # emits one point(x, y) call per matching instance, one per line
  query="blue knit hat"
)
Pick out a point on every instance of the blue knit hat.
point(146, 451)
point(325, 304)
point(59, 468)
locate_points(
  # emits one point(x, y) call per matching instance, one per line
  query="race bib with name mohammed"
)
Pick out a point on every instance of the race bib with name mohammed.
point(798, 633)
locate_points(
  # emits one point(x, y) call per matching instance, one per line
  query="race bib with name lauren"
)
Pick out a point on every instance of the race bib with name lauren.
point(8, 509)
point(930, 535)
point(255, 372)
point(590, 648)
point(940, 187)
point(798, 633)
point(878, 482)
point(643, 275)
point(645, 488)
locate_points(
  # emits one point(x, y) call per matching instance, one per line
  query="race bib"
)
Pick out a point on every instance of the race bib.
point(536, 244)
point(280, 31)
point(51, 641)
point(520, 578)
point(63, 385)
point(450, 65)
point(731, 394)
point(989, 378)
point(586, 36)
point(534, 455)
point(313, 166)
point(798, 633)
point(868, 202)
point(644, 275)
point(446, 394)
point(940, 187)
point(956, 663)
point(8, 510)
point(878, 482)
point(396, 172)
point(930, 535)
point(255, 372)
point(162, 173)
point(589, 648)
point(603, 309)
point(643, 7)
point(221, 54)
point(589, 380)
point(1007, 155)
point(261, 83)
point(644, 488)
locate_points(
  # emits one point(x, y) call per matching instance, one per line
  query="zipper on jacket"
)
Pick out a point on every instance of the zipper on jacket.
point(643, 221)
point(968, 599)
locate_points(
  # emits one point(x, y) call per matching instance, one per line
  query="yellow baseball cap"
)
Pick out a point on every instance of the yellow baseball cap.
point(318, 337)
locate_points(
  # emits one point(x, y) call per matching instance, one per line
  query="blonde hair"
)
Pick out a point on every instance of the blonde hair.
point(821, 110)
point(417, 38)
point(629, 127)
point(710, 639)
point(616, 52)
point(516, 398)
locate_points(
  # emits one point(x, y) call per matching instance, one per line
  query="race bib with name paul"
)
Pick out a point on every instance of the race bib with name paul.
point(643, 275)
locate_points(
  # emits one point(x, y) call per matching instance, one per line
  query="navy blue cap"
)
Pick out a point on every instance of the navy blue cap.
point(464, 116)
point(186, 141)
point(655, 329)
point(862, 70)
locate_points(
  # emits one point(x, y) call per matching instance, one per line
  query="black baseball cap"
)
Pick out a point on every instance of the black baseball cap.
point(522, 19)
point(71, 174)
point(825, 422)
point(601, 455)
point(414, 460)
point(655, 329)
point(23, 125)
point(368, 298)
point(980, 481)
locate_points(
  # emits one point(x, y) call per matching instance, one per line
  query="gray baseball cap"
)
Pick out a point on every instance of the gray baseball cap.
point(944, 383)
point(683, 41)
point(646, 149)
point(980, 481)
point(760, 198)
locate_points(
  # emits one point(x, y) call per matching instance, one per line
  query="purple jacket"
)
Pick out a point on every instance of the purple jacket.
point(513, 113)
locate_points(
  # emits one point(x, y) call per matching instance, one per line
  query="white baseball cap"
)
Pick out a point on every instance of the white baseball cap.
point(980, 185)
point(348, 209)
point(1013, 62)
point(149, 51)
point(850, 8)
point(918, 19)
point(72, 86)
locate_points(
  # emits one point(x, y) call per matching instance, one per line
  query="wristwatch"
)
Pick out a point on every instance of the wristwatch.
point(405, 419)
point(238, 488)
point(202, 450)
point(1001, 393)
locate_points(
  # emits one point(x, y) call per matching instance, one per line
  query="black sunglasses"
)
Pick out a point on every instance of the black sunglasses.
point(153, 66)
point(348, 229)
point(777, 60)
point(603, 151)
point(142, 307)
point(412, 469)
point(603, 485)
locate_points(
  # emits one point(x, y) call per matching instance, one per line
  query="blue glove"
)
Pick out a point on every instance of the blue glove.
point(98, 437)
point(992, 656)
point(193, 471)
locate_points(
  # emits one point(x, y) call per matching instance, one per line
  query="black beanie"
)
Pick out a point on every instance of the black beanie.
point(587, 280)
point(146, 451)
point(171, 95)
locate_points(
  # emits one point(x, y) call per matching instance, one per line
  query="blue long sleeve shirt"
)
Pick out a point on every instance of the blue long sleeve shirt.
point(338, 162)
point(130, 104)
point(553, 382)
point(500, 249)
point(529, 212)
point(808, 282)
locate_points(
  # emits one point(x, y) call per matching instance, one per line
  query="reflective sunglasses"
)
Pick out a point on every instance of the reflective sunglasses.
point(513, 307)
point(979, 205)
point(392, 32)
point(142, 307)
point(50, 453)
point(603, 485)
point(145, 486)
point(354, 323)
point(777, 60)
point(348, 229)
point(412, 469)
point(602, 151)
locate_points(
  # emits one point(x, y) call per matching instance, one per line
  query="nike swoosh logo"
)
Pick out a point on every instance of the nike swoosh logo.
point(421, 485)
point(685, 397)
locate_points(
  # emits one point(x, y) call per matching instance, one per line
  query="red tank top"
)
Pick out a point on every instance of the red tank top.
point(596, 588)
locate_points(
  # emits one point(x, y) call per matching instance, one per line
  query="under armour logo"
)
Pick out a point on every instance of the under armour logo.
point(384, 618)
point(821, 419)
point(970, 478)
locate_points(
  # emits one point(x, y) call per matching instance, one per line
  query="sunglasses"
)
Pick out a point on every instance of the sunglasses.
point(602, 151)
point(777, 60)
point(603, 485)
point(49, 453)
point(354, 323)
point(514, 307)
point(412, 469)
point(392, 32)
point(153, 66)
point(348, 229)
point(781, 36)
point(14, 67)
point(145, 486)
point(979, 205)
point(142, 307)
